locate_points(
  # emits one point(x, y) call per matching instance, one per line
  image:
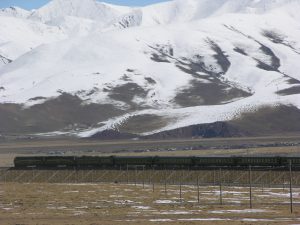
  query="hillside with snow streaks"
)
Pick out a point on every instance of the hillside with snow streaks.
point(169, 65)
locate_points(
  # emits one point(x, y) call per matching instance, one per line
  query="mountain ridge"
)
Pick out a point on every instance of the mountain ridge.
point(136, 64)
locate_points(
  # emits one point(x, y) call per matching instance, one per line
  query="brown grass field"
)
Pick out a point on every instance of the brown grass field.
point(98, 204)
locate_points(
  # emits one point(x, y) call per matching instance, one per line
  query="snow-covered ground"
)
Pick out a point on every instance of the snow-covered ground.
point(84, 49)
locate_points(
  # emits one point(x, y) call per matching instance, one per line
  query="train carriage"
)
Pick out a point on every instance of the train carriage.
point(258, 161)
point(28, 162)
point(133, 161)
point(168, 162)
point(94, 161)
point(155, 162)
point(214, 161)
point(295, 161)
point(57, 161)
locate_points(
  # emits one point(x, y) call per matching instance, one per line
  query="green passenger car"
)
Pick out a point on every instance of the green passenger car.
point(110, 162)
point(57, 161)
point(93, 161)
point(176, 161)
point(123, 161)
point(214, 161)
point(295, 161)
point(29, 162)
point(258, 161)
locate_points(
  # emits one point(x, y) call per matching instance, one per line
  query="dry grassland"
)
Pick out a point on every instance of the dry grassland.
point(113, 204)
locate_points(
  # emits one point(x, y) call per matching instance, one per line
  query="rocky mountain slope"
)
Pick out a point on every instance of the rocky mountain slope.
point(82, 67)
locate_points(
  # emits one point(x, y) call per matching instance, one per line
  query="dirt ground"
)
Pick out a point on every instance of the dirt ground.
point(63, 145)
point(98, 204)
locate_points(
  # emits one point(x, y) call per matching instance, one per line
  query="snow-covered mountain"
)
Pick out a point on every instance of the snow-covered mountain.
point(14, 12)
point(81, 67)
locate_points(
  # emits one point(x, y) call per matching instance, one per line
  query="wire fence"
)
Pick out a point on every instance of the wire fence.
point(251, 179)
point(266, 177)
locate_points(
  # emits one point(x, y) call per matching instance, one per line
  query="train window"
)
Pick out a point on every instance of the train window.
point(295, 161)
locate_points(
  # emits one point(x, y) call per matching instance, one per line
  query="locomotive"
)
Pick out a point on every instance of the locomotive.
point(157, 162)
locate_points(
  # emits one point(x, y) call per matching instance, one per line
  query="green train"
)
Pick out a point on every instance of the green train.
point(118, 162)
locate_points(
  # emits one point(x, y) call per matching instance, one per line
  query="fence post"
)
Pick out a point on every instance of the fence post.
point(153, 179)
point(127, 173)
point(180, 189)
point(165, 181)
point(32, 175)
point(198, 189)
point(250, 186)
point(143, 177)
point(76, 175)
point(135, 179)
point(214, 177)
point(269, 178)
point(220, 182)
point(149, 177)
point(283, 180)
point(291, 187)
